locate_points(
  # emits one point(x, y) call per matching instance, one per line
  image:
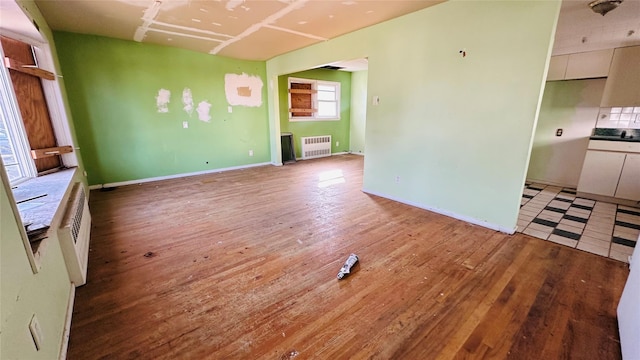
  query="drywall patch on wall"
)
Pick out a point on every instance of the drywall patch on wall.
point(187, 101)
point(203, 111)
point(243, 89)
point(162, 100)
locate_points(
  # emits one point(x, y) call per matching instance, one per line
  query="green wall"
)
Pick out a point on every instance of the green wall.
point(112, 86)
point(339, 130)
point(573, 107)
point(451, 133)
point(23, 293)
point(358, 110)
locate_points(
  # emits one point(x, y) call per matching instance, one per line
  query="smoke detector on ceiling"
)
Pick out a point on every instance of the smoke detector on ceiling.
point(604, 6)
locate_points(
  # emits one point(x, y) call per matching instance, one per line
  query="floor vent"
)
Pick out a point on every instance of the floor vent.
point(316, 146)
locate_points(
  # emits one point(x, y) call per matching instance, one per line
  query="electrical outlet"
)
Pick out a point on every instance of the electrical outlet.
point(185, 124)
point(337, 143)
point(36, 332)
point(250, 152)
point(397, 179)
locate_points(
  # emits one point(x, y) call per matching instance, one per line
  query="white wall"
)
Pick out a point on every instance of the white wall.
point(451, 134)
point(573, 107)
point(358, 110)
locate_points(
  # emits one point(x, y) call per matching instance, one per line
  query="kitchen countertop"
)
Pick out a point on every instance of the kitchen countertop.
point(609, 134)
point(614, 138)
point(38, 200)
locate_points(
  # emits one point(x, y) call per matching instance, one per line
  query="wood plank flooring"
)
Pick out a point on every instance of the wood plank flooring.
point(243, 265)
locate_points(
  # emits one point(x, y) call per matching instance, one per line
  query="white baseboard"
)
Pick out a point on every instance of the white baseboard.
point(176, 176)
point(356, 153)
point(67, 324)
point(468, 219)
point(552, 183)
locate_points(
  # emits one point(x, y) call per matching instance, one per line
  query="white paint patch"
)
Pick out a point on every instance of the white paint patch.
point(162, 100)
point(243, 90)
point(203, 111)
point(232, 4)
point(187, 101)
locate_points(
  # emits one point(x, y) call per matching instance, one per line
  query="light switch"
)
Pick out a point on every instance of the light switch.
point(185, 124)
point(36, 332)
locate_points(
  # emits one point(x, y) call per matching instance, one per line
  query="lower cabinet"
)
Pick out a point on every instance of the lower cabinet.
point(613, 174)
point(601, 172)
point(629, 184)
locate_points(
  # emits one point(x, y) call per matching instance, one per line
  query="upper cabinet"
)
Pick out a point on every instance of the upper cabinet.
point(585, 65)
point(557, 67)
point(623, 84)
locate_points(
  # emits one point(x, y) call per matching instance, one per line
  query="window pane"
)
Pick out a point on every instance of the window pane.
point(6, 148)
point(8, 153)
point(326, 88)
point(326, 95)
point(327, 109)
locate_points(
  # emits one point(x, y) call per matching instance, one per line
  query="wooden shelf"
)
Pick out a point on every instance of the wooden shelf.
point(302, 110)
point(302, 91)
point(42, 153)
point(28, 69)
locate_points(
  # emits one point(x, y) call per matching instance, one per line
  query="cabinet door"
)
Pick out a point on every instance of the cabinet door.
point(622, 87)
point(592, 64)
point(600, 172)
point(557, 67)
point(629, 184)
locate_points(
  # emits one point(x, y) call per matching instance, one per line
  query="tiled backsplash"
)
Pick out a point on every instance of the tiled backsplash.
point(619, 117)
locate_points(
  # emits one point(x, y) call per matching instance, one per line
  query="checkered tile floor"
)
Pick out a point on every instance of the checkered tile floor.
point(556, 214)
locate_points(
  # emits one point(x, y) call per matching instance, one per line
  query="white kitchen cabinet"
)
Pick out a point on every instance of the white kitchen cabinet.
point(585, 65)
point(629, 184)
point(622, 87)
point(557, 67)
point(600, 172)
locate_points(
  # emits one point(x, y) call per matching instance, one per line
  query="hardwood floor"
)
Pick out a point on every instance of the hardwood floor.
point(243, 265)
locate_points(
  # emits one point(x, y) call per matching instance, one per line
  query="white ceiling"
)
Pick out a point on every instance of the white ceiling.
point(262, 29)
point(580, 29)
point(241, 29)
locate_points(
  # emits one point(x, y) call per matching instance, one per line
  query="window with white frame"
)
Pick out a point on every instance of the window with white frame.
point(16, 141)
point(14, 146)
point(313, 100)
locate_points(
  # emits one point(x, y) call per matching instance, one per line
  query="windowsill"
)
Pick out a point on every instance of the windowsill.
point(313, 119)
point(38, 201)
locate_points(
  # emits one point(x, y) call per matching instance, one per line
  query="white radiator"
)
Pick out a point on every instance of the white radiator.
point(74, 234)
point(316, 146)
